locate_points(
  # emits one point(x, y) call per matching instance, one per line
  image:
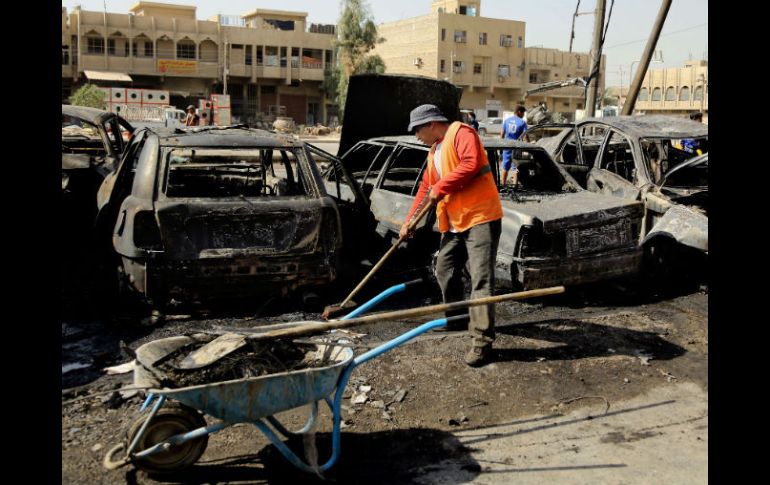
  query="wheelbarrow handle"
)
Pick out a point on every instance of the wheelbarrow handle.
point(377, 299)
point(391, 344)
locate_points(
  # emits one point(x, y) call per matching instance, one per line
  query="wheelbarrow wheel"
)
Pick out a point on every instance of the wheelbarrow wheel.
point(172, 419)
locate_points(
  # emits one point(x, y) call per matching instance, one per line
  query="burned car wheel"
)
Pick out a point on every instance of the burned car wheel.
point(669, 266)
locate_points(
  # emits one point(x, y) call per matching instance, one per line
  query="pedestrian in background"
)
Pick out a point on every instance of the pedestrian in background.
point(512, 128)
point(192, 118)
point(474, 123)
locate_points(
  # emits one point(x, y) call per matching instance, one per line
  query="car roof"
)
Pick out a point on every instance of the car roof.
point(652, 126)
point(213, 136)
point(92, 115)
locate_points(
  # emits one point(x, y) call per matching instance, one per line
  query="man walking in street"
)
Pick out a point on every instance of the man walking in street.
point(192, 118)
point(459, 182)
point(512, 129)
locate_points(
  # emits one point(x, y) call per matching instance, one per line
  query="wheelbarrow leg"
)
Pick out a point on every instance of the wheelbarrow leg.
point(308, 425)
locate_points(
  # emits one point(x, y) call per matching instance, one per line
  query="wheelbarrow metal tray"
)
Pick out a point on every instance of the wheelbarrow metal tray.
point(251, 398)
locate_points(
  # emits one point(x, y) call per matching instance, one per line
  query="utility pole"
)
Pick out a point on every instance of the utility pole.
point(644, 62)
point(225, 70)
point(596, 52)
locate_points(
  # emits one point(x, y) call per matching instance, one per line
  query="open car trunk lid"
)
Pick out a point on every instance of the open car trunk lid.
point(388, 100)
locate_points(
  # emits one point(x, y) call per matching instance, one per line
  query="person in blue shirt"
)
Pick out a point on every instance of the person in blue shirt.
point(512, 129)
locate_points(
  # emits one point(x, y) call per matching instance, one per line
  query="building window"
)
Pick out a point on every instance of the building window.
point(482, 38)
point(148, 49)
point(443, 34)
point(644, 94)
point(125, 49)
point(684, 94)
point(520, 43)
point(476, 68)
point(95, 45)
point(533, 78)
point(458, 66)
point(580, 106)
point(271, 56)
point(670, 94)
point(460, 36)
point(248, 55)
point(504, 70)
point(506, 40)
point(656, 94)
point(443, 65)
point(65, 55)
point(698, 94)
point(111, 47)
point(185, 50)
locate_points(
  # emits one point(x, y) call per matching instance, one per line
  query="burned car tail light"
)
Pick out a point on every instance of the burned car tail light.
point(534, 242)
point(146, 231)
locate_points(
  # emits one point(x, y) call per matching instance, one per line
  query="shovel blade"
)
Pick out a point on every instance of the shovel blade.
point(213, 351)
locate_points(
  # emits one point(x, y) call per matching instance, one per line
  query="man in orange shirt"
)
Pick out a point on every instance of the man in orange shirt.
point(459, 182)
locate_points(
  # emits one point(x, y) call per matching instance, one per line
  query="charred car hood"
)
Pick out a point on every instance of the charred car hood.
point(561, 211)
point(379, 105)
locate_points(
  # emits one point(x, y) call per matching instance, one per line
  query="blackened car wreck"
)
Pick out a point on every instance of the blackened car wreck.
point(220, 211)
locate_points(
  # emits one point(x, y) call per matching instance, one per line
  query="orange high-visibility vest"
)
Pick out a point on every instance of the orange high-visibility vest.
point(476, 203)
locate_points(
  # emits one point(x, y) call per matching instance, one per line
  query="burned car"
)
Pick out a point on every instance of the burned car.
point(661, 161)
point(553, 232)
point(220, 212)
point(90, 152)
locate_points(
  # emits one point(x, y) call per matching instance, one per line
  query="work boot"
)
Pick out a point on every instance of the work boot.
point(478, 355)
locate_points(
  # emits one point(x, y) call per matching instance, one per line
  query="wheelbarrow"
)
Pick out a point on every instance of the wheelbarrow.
point(174, 433)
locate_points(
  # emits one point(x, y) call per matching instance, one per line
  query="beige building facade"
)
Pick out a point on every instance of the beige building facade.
point(675, 91)
point(487, 57)
point(274, 61)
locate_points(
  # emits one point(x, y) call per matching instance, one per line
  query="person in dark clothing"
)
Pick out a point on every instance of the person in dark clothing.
point(192, 118)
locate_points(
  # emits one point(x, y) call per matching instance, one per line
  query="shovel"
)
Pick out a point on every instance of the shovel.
point(334, 310)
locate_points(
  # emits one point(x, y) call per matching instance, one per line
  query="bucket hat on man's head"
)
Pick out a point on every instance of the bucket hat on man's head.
point(190, 107)
point(425, 113)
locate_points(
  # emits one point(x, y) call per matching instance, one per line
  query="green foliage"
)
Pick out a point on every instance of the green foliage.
point(356, 36)
point(88, 95)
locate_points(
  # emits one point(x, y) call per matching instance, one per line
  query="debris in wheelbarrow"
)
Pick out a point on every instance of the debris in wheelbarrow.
point(252, 359)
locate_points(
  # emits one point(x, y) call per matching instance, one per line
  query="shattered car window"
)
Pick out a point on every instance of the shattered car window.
point(618, 157)
point(537, 175)
point(402, 173)
point(208, 172)
point(663, 154)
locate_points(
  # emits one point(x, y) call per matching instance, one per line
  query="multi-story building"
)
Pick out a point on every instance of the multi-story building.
point(271, 62)
point(487, 57)
point(675, 91)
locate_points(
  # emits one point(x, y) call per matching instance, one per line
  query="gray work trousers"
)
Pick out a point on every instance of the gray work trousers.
point(478, 248)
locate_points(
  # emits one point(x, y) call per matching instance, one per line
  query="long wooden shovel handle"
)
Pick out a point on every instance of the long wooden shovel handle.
point(313, 327)
point(382, 260)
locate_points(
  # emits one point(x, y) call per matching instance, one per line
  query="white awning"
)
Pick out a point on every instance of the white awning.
point(107, 76)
